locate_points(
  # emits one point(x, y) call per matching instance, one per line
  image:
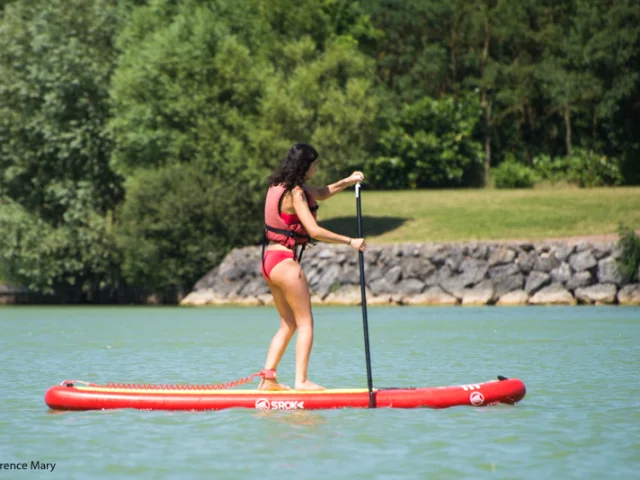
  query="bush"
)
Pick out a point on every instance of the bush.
point(432, 140)
point(590, 169)
point(554, 169)
point(511, 174)
point(179, 221)
point(78, 257)
point(386, 173)
point(584, 168)
point(629, 258)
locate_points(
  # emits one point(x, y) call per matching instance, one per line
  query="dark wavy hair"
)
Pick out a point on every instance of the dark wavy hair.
point(294, 168)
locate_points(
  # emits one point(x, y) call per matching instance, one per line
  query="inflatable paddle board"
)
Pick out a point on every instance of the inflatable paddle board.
point(75, 395)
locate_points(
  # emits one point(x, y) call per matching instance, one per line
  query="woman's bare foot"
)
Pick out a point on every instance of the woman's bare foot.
point(308, 385)
point(271, 385)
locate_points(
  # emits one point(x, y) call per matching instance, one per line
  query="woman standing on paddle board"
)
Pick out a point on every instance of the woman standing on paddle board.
point(290, 221)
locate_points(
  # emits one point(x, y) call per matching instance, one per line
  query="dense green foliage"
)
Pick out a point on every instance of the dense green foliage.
point(629, 257)
point(429, 144)
point(186, 89)
point(583, 168)
point(57, 59)
point(78, 257)
point(53, 104)
point(133, 131)
point(178, 221)
point(512, 174)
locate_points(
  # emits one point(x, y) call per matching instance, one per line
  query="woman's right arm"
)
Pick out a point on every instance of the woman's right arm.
point(316, 231)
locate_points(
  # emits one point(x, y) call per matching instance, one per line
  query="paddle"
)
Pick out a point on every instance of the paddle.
point(365, 323)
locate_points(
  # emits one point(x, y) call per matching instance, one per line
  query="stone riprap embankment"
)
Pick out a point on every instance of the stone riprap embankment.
point(558, 273)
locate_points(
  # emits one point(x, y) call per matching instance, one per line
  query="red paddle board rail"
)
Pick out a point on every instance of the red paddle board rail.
point(73, 395)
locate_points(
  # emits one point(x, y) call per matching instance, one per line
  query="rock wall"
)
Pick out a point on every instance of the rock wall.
point(435, 274)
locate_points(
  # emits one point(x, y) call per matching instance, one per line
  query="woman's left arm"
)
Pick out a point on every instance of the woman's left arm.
point(329, 191)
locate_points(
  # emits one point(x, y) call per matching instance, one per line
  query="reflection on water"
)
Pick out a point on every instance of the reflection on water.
point(302, 418)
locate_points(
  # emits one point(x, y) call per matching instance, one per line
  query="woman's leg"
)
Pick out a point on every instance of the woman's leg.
point(290, 278)
point(281, 338)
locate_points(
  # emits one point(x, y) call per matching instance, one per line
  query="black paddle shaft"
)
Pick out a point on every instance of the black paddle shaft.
point(365, 322)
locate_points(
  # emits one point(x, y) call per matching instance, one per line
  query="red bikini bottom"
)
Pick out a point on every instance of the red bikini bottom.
point(272, 258)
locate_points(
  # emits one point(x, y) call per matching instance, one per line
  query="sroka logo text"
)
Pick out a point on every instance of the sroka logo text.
point(264, 404)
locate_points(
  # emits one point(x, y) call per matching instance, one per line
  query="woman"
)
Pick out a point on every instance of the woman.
point(290, 220)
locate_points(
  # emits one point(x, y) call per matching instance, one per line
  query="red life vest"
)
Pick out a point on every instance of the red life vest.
point(288, 233)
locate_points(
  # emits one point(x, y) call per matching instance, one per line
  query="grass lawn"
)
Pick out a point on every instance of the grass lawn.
point(465, 215)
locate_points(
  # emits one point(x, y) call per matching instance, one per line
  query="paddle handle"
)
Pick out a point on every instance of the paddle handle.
point(365, 322)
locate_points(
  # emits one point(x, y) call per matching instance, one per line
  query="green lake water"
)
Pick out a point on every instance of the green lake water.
point(580, 418)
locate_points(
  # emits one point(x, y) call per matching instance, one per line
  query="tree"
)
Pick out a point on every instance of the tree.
point(498, 39)
point(187, 86)
point(57, 58)
point(413, 58)
point(4, 3)
point(57, 62)
point(612, 54)
point(179, 220)
point(196, 91)
point(429, 145)
point(78, 260)
point(324, 98)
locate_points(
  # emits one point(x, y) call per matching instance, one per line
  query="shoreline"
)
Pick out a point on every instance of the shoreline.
point(551, 272)
point(567, 271)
